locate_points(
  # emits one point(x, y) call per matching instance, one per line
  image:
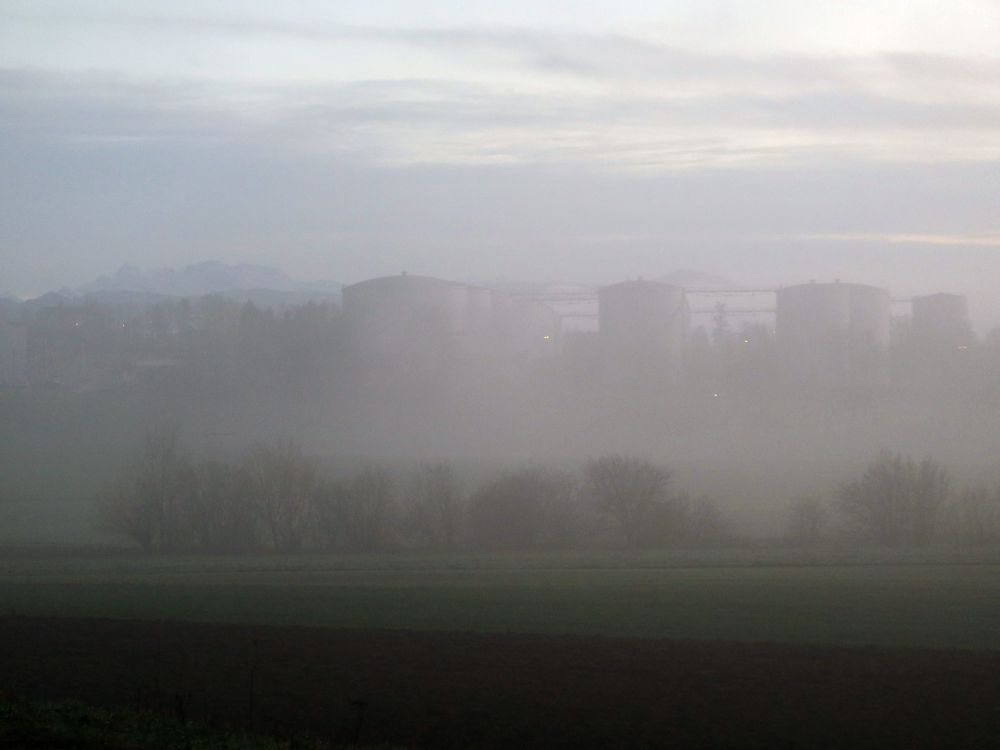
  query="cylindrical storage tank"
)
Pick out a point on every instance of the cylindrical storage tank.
point(869, 336)
point(479, 336)
point(811, 329)
point(643, 326)
point(833, 335)
point(502, 321)
point(642, 314)
point(406, 315)
point(501, 305)
point(942, 319)
point(536, 328)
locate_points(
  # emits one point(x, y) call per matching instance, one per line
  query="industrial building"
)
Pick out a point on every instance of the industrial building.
point(833, 335)
point(826, 335)
point(394, 314)
point(424, 322)
point(643, 327)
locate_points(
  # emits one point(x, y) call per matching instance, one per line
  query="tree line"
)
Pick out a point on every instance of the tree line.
point(899, 502)
point(278, 498)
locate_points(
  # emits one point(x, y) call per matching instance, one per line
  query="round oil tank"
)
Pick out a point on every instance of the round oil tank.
point(811, 311)
point(642, 315)
point(501, 305)
point(870, 315)
point(833, 334)
point(869, 336)
point(536, 328)
point(395, 312)
point(502, 318)
point(811, 327)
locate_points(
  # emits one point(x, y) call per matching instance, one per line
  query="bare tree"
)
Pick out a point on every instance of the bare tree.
point(974, 517)
point(897, 502)
point(435, 507)
point(531, 508)
point(357, 514)
point(707, 525)
point(627, 490)
point(147, 501)
point(282, 483)
point(805, 521)
point(220, 515)
point(122, 511)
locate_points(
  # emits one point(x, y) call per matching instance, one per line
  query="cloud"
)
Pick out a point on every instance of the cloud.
point(408, 121)
point(526, 153)
point(604, 56)
point(523, 95)
point(988, 240)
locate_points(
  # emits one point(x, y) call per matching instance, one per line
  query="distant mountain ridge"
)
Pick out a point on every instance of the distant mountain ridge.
point(208, 277)
point(132, 288)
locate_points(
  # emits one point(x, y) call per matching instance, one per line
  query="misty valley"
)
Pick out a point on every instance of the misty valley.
point(725, 431)
point(417, 456)
point(389, 375)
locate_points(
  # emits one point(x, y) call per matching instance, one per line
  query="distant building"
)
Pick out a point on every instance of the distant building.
point(833, 335)
point(427, 324)
point(643, 326)
point(537, 329)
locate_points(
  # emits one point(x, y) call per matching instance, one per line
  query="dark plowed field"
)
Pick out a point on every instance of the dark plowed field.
point(461, 690)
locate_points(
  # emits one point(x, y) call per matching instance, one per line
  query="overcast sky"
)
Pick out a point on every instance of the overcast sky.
point(768, 142)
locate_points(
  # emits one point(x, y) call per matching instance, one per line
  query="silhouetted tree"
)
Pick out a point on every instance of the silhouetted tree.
point(974, 517)
point(147, 501)
point(435, 509)
point(707, 526)
point(122, 511)
point(530, 508)
point(282, 481)
point(627, 491)
point(220, 514)
point(357, 514)
point(897, 502)
point(805, 521)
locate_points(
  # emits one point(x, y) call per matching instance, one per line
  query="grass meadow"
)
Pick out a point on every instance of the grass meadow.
point(876, 599)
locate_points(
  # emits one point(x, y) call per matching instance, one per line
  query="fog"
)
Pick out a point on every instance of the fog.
point(591, 373)
point(533, 155)
point(754, 398)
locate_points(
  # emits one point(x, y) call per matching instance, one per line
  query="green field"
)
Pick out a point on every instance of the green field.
point(850, 600)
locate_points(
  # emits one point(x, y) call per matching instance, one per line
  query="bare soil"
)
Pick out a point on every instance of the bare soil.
point(441, 689)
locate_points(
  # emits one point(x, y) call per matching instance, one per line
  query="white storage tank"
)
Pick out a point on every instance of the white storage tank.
point(869, 336)
point(406, 316)
point(833, 335)
point(536, 329)
point(643, 327)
